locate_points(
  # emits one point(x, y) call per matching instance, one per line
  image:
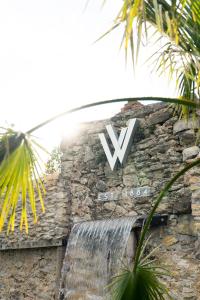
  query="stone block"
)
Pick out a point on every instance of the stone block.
point(195, 187)
point(196, 195)
point(195, 209)
point(185, 225)
point(196, 228)
point(129, 169)
point(159, 117)
point(114, 181)
point(67, 156)
point(60, 195)
point(187, 137)
point(182, 125)
point(101, 186)
point(89, 155)
point(110, 206)
point(156, 167)
point(52, 177)
point(190, 152)
point(193, 179)
point(130, 180)
point(145, 181)
point(163, 207)
point(148, 143)
point(120, 211)
point(132, 213)
point(169, 240)
point(67, 166)
point(182, 201)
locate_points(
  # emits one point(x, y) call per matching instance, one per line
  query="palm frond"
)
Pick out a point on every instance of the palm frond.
point(142, 282)
point(178, 22)
point(19, 181)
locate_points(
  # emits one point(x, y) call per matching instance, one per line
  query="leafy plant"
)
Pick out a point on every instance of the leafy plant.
point(54, 162)
point(19, 178)
point(173, 25)
point(144, 284)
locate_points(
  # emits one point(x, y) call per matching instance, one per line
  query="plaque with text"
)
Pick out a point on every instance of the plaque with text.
point(144, 191)
point(138, 192)
point(109, 196)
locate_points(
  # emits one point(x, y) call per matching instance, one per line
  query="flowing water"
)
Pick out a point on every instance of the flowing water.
point(94, 253)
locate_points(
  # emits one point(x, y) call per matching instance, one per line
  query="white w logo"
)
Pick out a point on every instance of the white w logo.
point(121, 144)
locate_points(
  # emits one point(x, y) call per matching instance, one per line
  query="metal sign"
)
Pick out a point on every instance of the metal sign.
point(121, 144)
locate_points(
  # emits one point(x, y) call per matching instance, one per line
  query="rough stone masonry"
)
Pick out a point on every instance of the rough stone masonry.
point(31, 265)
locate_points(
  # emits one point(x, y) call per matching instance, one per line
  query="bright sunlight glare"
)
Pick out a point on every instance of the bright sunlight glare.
point(50, 63)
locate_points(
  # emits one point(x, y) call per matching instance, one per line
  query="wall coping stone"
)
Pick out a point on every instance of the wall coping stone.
point(31, 244)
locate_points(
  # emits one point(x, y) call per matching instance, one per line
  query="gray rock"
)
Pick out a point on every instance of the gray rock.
point(182, 125)
point(68, 155)
point(196, 195)
point(130, 180)
point(129, 169)
point(120, 211)
point(110, 206)
point(187, 138)
point(89, 155)
point(159, 117)
point(101, 186)
point(147, 143)
point(67, 166)
point(190, 152)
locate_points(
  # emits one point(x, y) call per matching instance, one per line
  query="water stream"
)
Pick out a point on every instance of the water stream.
point(94, 253)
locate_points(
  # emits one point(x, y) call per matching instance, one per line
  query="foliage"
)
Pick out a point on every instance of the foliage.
point(175, 27)
point(20, 179)
point(54, 162)
point(142, 284)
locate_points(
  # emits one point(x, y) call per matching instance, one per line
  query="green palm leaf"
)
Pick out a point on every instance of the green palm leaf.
point(141, 283)
point(178, 23)
point(18, 181)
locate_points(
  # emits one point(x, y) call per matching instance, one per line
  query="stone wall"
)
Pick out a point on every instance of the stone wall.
point(162, 146)
point(51, 227)
point(177, 252)
point(31, 264)
point(30, 274)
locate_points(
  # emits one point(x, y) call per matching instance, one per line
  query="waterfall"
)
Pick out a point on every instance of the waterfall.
point(94, 253)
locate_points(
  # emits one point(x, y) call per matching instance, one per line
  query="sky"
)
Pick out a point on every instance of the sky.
point(49, 63)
